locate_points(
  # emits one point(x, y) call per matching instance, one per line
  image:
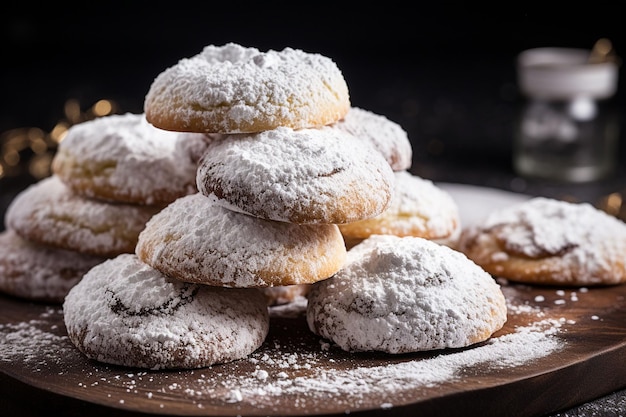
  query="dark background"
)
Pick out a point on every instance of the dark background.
point(446, 74)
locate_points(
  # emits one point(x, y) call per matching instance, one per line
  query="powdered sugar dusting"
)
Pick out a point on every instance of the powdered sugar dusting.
point(196, 240)
point(48, 212)
point(423, 205)
point(125, 312)
point(233, 89)
point(406, 294)
point(578, 236)
point(36, 347)
point(38, 272)
point(303, 176)
point(296, 370)
point(126, 154)
point(417, 208)
point(363, 381)
point(387, 137)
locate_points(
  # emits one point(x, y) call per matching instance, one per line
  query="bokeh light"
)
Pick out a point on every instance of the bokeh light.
point(30, 150)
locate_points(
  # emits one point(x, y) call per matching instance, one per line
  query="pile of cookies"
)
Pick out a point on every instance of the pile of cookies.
point(110, 175)
point(294, 190)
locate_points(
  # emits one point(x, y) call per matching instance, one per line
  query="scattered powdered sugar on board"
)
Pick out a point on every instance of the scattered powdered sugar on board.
point(309, 374)
point(510, 350)
point(36, 343)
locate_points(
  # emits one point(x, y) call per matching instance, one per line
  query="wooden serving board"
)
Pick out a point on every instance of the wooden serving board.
point(574, 341)
point(560, 347)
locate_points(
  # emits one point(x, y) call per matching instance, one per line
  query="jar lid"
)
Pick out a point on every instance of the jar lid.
point(565, 73)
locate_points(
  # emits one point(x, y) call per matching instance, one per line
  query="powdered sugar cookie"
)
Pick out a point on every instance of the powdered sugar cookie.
point(549, 241)
point(235, 89)
point(47, 212)
point(386, 136)
point(195, 240)
point(124, 312)
point(39, 273)
point(124, 158)
point(406, 294)
point(418, 208)
point(300, 176)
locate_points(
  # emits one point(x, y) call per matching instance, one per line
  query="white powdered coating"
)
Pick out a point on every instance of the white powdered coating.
point(583, 244)
point(418, 208)
point(546, 226)
point(387, 137)
point(35, 343)
point(308, 380)
point(126, 313)
point(37, 272)
point(195, 240)
point(47, 212)
point(407, 294)
point(302, 176)
point(236, 89)
point(124, 158)
point(515, 349)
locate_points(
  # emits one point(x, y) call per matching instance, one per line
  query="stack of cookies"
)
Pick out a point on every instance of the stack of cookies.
point(110, 175)
point(290, 173)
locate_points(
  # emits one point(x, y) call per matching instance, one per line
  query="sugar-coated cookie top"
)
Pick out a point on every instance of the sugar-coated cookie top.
point(236, 89)
point(403, 294)
point(542, 227)
point(418, 208)
point(578, 234)
point(125, 312)
point(48, 212)
point(302, 176)
point(196, 240)
point(419, 203)
point(387, 137)
point(129, 155)
point(39, 272)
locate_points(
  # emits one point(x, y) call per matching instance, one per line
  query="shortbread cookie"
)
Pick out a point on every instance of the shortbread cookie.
point(195, 240)
point(300, 176)
point(387, 137)
point(418, 208)
point(124, 158)
point(406, 294)
point(549, 241)
point(47, 212)
point(124, 312)
point(236, 89)
point(37, 272)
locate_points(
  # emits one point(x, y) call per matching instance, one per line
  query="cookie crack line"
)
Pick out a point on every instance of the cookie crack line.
point(186, 295)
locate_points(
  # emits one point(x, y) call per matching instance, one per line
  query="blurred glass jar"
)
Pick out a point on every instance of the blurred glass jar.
point(567, 129)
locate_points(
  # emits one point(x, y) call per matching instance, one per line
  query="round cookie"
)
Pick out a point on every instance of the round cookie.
point(549, 241)
point(195, 240)
point(124, 158)
point(47, 212)
point(236, 89)
point(124, 312)
point(300, 176)
point(418, 208)
point(39, 273)
point(386, 136)
point(406, 294)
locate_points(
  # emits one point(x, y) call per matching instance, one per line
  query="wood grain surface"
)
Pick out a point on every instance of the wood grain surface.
point(39, 362)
